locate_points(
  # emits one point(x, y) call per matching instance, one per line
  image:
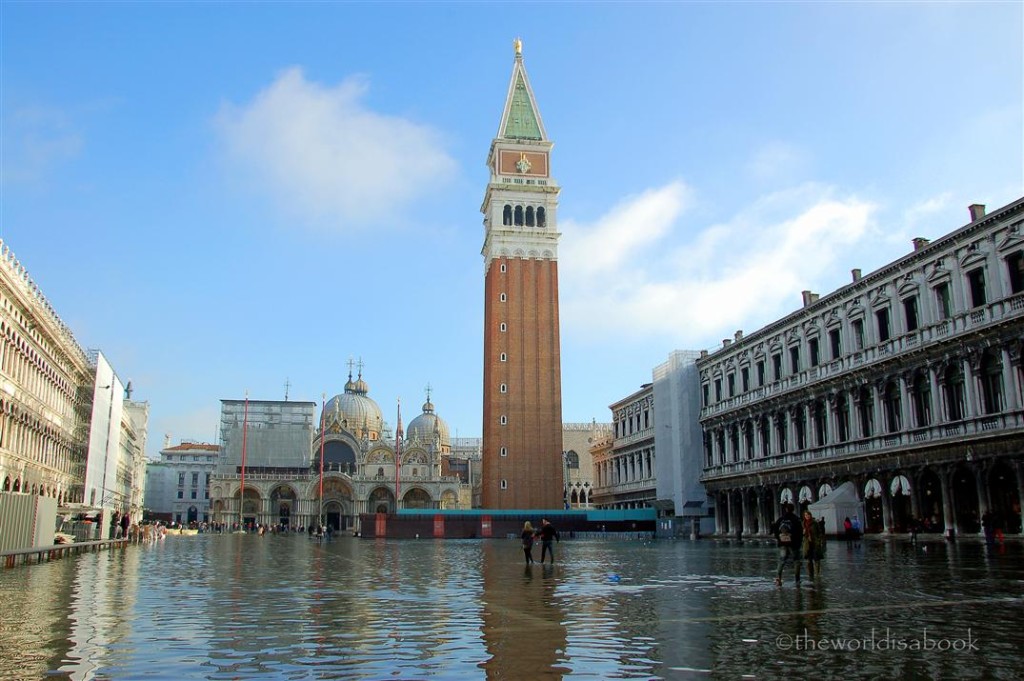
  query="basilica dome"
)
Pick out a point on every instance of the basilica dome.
point(354, 411)
point(422, 428)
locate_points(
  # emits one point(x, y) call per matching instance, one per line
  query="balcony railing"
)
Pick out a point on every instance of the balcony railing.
point(942, 433)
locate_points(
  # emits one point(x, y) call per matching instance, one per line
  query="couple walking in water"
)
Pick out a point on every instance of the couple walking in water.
point(547, 535)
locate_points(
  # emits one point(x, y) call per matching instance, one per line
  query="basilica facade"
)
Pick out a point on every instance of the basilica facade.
point(282, 464)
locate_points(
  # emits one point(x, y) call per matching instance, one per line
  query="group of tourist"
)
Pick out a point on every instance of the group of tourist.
point(547, 534)
point(798, 539)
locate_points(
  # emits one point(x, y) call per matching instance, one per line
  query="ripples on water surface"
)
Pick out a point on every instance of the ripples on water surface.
point(245, 607)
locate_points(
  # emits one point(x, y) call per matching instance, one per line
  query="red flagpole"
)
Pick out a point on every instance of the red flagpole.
point(323, 408)
point(398, 457)
point(245, 432)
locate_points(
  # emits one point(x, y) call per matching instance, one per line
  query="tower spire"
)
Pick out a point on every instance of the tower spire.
point(520, 119)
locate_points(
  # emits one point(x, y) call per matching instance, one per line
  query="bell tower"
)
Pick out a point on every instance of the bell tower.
point(522, 428)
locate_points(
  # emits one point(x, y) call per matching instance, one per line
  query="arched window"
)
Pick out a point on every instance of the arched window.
point(541, 218)
point(529, 216)
point(820, 431)
point(991, 371)
point(506, 215)
point(953, 392)
point(921, 398)
point(519, 216)
point(891, 402)
point(572, 459)
point(842, 417)
point(865, 406)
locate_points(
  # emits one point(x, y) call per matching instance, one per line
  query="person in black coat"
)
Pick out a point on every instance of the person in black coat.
point(788, 536)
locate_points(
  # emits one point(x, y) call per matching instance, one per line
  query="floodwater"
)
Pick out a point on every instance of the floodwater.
point(286, 607)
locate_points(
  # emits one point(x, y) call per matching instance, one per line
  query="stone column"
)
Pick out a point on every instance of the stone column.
point(719, 529)
point(886, 509)
point(745, 523)
point(982, 489)
point(773, 435)
point(756, 433)
point(947, 500)
point(934, 395)
point(905, 408)
point(878, 418)
point(1011, 391)
point(732, 512)
point(970, 365)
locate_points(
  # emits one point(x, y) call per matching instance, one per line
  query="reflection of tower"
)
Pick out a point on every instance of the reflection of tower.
point(522, 420)
point(523, 623)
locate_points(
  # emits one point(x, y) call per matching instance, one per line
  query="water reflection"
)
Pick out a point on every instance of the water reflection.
point(243, 607)
point(522, 618)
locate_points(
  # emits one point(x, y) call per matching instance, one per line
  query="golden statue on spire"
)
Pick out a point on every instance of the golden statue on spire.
point(518, 45)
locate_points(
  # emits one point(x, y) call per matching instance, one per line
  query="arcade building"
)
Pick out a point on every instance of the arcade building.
point(906, 382)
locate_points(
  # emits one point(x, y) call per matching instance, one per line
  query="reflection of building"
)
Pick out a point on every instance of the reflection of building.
point(178, 486)
point(522, 415)
point(282, 444)
point(906, 382)
point(578, 465)
point(625, 472)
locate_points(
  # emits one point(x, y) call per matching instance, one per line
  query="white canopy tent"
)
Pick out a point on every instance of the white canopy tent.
point(840, 504)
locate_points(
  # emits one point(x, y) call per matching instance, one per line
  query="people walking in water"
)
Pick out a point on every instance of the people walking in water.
point(548, 535)
point(813, 546)
point(527, 537)
point(788, 536)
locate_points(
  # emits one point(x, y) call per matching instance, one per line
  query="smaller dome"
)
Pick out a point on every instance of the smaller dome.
point(424, 427)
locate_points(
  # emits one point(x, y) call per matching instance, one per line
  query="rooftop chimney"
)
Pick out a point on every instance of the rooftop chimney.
point(856, 275)
point(920, 242)
point(739, 335)
point(167, 440)
point(703, 353)
point(809, 297)
point(977, 211)
point(726, 342)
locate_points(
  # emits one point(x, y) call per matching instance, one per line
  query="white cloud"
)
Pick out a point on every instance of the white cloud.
point(323, 156)
point(689, 287)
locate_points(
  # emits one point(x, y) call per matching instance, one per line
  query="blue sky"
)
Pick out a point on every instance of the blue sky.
point(226, 196)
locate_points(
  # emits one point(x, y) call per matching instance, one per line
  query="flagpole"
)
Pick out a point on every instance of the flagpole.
point(245, 432)
point(323, 408)
point(398, 457)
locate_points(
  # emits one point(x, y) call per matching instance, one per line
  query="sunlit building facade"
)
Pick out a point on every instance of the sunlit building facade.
point(905, 382)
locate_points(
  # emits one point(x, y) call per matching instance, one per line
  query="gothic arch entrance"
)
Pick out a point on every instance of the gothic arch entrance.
point(873, 506)
point(1004, 497)
point(965, 500)
point(381, 501)
point(900, 503)
point(929, 496)
point(416, 498)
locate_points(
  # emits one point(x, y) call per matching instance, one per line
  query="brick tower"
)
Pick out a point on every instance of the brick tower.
point(522, 429)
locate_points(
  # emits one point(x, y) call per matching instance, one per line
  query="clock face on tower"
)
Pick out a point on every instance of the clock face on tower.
point(530, 163)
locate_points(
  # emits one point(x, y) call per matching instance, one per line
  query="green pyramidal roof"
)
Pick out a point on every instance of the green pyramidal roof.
point(522, 119)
